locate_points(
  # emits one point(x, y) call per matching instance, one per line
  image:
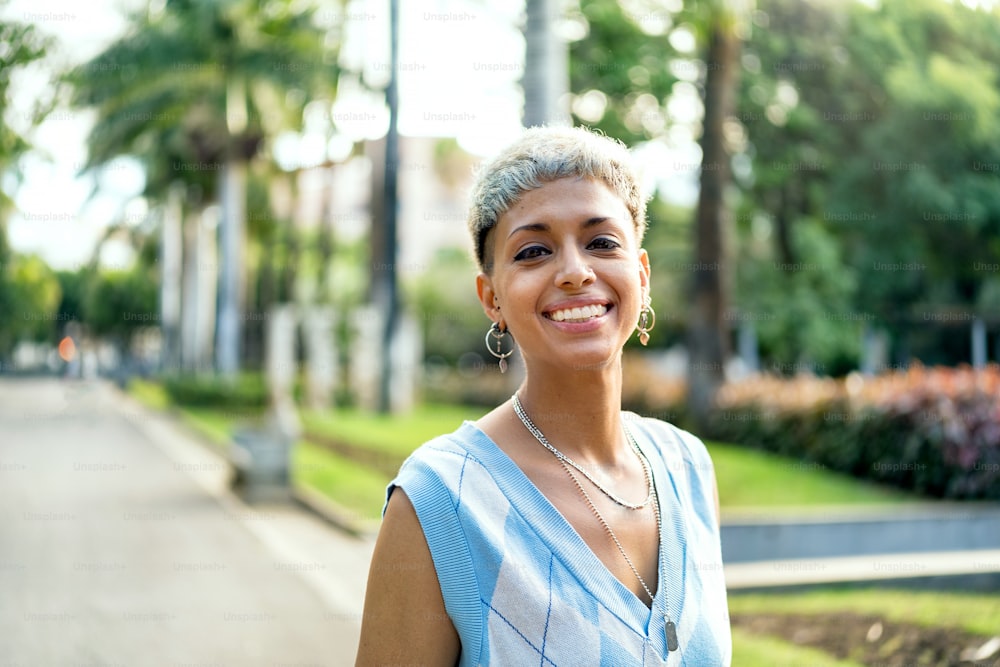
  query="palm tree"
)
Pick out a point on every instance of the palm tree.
point(708, 331)
point(195, 91)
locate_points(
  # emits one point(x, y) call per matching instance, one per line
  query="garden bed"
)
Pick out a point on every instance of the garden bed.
point(874, 640)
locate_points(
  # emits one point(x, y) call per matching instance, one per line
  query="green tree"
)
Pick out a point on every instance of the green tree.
point(20, 45)
point(31, 301)
point(708, 328)
point(196, 91)
point(802, 111)
point(72, 289)
point(879, 126)
point(623, 75)
point(620, 72)
point(930, 180)
point(119, 303)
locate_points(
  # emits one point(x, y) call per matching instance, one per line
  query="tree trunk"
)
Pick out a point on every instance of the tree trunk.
point(232, 235)
point(171, 273)
point(783, 224)
point(189, 292)
point(198, 293)
point(546, 67)
point(707, 326)
point(325, 242)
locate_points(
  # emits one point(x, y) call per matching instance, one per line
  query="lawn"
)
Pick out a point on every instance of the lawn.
point(356, 489)
point(396, 436)
point(750, 478)
point(747, 478)
point(762, 651)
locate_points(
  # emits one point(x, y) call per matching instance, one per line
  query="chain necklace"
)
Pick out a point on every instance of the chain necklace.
point(528, 424)
point(669, 628)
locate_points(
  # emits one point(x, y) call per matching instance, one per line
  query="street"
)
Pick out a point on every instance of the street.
point(120, 546)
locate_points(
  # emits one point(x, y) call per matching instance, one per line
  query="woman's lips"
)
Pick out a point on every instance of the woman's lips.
point(578, 313)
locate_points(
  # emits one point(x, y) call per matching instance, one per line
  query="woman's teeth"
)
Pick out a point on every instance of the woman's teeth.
point(578, 314)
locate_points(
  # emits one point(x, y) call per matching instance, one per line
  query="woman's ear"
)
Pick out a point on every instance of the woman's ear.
point(488, 297)
point(644, 270)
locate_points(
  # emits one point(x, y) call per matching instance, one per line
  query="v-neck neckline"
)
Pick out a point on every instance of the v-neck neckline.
point(568, 545)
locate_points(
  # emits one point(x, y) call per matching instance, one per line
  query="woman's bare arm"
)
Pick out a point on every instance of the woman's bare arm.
point(404, 619)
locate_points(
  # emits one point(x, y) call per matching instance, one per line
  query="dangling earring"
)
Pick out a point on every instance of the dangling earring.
point(647, 320)
point(498, 334)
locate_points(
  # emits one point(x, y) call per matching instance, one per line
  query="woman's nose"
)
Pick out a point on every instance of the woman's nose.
point(574, 269)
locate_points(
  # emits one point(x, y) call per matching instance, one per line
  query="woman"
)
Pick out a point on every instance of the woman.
point(556, 530)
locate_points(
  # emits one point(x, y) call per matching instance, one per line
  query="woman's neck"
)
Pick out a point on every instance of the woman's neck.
point(579, 413)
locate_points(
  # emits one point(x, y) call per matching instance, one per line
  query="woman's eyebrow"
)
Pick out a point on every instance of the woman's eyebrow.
point(543, 227)
point(530, 227)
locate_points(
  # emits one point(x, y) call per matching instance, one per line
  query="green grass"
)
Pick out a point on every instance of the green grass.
point(398, 435)
point(751, 478)
point(974, 613)
point(755, 651)
point(352, 486)
point(747, 478)
point(150, 394)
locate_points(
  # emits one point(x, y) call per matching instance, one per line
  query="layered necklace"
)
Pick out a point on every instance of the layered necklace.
point(670, 630)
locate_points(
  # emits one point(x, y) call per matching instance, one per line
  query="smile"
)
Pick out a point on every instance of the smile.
point(581, 314)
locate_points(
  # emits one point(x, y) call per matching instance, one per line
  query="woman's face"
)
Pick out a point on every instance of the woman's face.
point(568, 276)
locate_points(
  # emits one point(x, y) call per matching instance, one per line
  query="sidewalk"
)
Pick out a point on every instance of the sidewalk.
point(120, 545)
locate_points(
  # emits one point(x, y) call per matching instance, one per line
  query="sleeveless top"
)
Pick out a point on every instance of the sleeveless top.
point(522, 587)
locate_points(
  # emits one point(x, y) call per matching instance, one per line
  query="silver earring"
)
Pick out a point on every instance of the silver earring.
point(498, 334)
point(647, 320)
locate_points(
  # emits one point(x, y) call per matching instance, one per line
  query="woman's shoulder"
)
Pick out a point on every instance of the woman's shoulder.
point(457, 445)
point(440, 459)
point(671, 439)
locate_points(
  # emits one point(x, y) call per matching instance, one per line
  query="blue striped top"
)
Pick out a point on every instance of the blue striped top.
point(523, 588)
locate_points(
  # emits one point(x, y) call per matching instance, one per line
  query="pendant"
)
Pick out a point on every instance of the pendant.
point(670, 630)
point(503, 365)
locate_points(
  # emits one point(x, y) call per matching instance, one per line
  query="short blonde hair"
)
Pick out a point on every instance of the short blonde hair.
point(542, 155)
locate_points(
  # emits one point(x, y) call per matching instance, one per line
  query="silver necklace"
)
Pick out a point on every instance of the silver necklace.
point(528, 424)
point(669, 628)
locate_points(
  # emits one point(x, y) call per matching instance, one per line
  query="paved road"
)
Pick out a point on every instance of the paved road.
point(119, 546)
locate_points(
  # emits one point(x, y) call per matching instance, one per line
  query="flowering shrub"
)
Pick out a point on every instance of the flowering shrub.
point(935, 431)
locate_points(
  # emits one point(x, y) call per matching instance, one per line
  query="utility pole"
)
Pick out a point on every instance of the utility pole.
point(386, 292)
point(546, 67)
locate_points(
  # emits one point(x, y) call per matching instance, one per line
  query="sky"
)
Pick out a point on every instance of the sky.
point(449, 69)
point(460, 63)
point(55, 219)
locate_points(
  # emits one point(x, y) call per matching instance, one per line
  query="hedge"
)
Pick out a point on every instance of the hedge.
point(934, 431)
point(246, 391)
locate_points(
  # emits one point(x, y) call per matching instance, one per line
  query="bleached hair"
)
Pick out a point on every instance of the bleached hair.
point(544, 154)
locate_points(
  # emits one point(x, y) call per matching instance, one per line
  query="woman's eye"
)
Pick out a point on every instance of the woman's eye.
point(531, 252)
point(602, 243)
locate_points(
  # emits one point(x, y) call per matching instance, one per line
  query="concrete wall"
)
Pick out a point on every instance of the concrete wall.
point(949, 528)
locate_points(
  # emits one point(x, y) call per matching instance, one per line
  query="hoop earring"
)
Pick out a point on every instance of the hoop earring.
point(647, 320)
point(498, 335)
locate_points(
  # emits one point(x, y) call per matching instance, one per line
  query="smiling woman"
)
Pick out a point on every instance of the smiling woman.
point(556, 529)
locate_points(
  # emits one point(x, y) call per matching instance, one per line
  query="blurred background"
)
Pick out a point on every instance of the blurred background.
point(253, 211)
